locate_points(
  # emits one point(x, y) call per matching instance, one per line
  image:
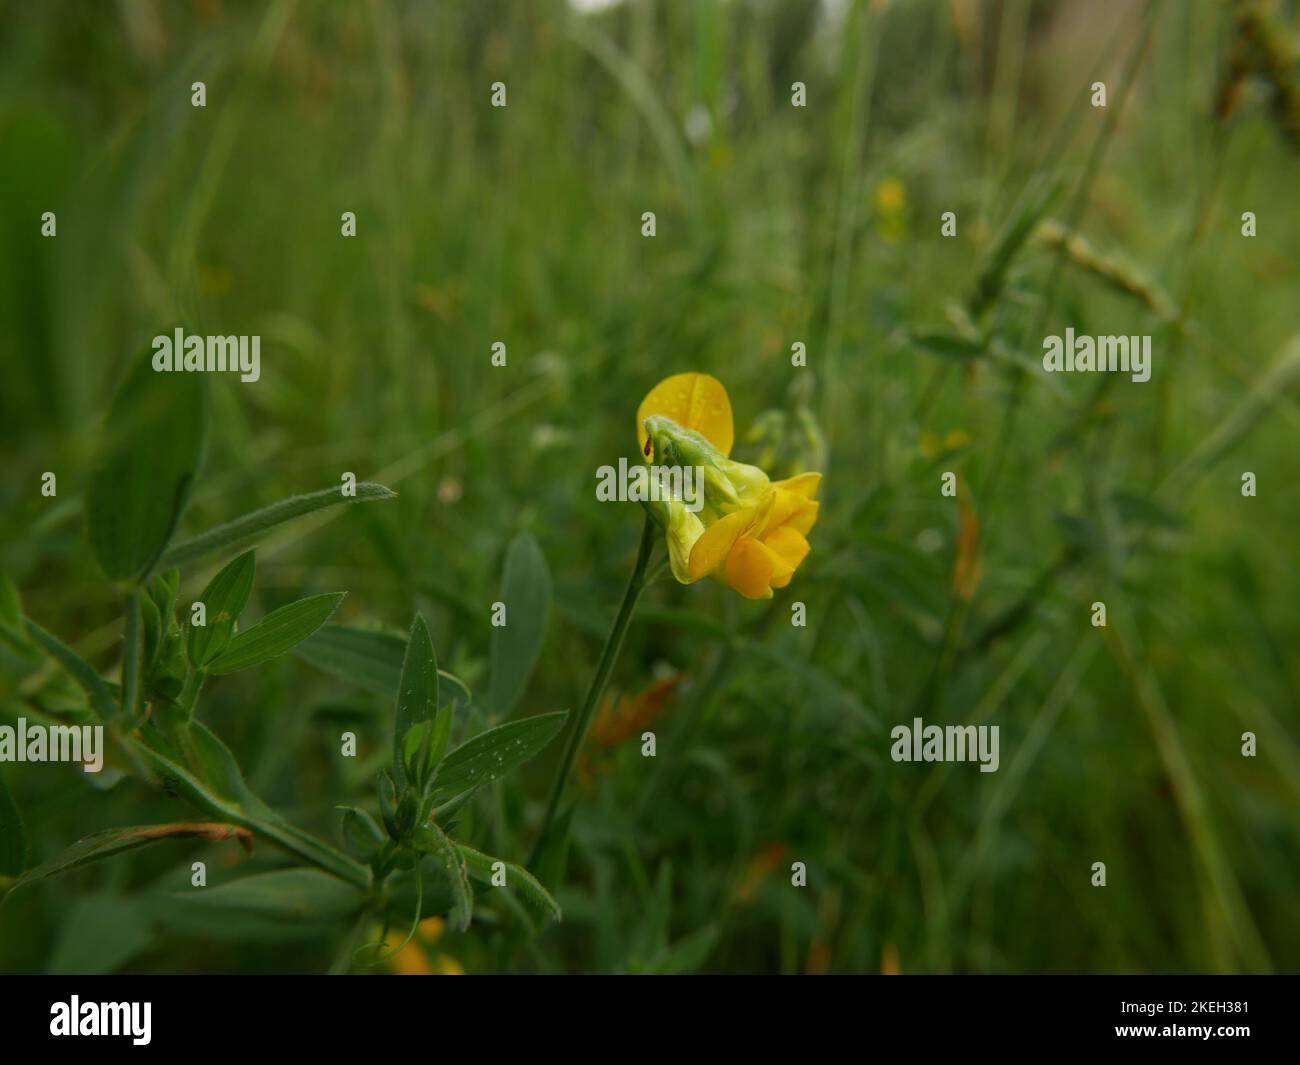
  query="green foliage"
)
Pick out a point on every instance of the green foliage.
point(417, 694)
point(490, 756)
point(223, 599)
point(776, 224)
point(250, 527)
point(277, 633)
point(153, 444)
point(13, 834)
point(526, 593)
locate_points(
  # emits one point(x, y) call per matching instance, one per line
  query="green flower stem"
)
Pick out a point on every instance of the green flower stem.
point(613, 644)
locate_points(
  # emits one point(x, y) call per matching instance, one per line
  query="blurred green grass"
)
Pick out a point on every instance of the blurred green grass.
point(775, 224)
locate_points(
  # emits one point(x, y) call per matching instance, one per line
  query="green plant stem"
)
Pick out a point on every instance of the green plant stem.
point(190, 692)
point(613, 644)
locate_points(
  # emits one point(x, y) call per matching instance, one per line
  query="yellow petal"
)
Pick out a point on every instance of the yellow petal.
point(752, 568)
point(411, 960)
point(805, 484)
point(449, 966)
point(694, 401)
point(790, 547)
point(716, 542)
point(684, 529)
point(790, 509)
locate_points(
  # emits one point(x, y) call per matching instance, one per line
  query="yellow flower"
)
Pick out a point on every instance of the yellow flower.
point(418, 958)
point(890, 196)
point(758, 548)
point(748, 531)
point(890, 202)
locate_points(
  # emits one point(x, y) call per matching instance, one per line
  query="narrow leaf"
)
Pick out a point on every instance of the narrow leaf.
point(78, 668)
point(13, 834)
point(1034, 202)
point(367, 658)
point(526, 593)
point(490, 756)
point(153, 445)
point(441, 735)
point(687, 955)
point(245, 808)
point(223, 599)
point(131, 653)
point(114, 841)
point(151, 621)
point(11, 609)
point(518, 879)
point(361, 835)
point(98, 934)
point(244, 530)
point(276, 633)
point(285, 896)
point(432, 840)
point(417, 691)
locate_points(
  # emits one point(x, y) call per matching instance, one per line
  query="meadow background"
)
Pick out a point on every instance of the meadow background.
point(775, 225)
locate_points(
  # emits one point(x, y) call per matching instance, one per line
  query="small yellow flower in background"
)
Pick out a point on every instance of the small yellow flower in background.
point(931, 446)
point(418, 959)
point(750, 532)
point(890, 202)
point(890, 197)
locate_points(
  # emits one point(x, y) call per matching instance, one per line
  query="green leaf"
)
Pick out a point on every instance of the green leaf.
point(115, 841)
point(11, 609)
point(234, 801)
point(370, 659)
point(219, 769)
point(151, 454)
point(441, 735)
point(244, 530)
point(490, 756)
point(264, 902)
point(276, 633)
point(131, 652)
point(157, 608)
point(78, 668)
point(1034, 202)
point(687, 955)
point(416, 749)
point(361, 835)
point(526, 593)
point(223, 599)
point(99, 934)
point(417, 692)
point(13, 834)
point(434, 841)
point(366, 657)
point(151, 620)
point(518, 879)
point(947, 344)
